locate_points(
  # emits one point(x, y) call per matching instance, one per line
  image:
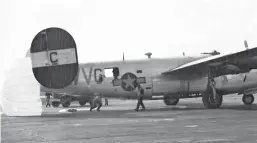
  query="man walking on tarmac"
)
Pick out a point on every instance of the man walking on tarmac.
point(140, 94)
point(106, 102)
point(97, 101)
point(48, 99)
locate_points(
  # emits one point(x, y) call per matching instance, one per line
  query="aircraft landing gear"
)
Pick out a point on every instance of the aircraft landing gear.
point(169, 100)
point(211, 98)
point(82, 103)
point(66, 101)
point(248, 99)
point(56, 103)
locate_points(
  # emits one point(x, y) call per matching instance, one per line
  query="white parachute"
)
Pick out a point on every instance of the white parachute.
point(21, 91)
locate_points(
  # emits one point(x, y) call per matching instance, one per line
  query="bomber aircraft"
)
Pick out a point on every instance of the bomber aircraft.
point(168, 79)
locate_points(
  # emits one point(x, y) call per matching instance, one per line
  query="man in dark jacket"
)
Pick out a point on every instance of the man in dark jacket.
point(106, 102)
point(140, 95)
point(96, 102)
point(48, 95)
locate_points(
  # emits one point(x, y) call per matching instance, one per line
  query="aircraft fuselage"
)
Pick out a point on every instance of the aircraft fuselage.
point(127, 74)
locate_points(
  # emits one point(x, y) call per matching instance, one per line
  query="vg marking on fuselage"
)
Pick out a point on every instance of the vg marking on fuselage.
point(88, 79)
point(88, 76)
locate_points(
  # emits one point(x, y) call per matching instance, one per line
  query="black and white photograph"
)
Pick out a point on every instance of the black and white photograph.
point(137, 71)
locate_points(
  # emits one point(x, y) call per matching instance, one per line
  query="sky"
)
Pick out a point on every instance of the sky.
point(104, 29)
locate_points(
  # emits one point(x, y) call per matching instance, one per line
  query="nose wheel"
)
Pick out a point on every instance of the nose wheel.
point(248, 99)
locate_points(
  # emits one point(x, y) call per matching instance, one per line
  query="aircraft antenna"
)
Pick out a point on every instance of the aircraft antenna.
point(45, 43)
point(149, 54)
point(246, 45)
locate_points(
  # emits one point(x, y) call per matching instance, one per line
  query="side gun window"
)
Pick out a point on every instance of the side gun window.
point(112, 72)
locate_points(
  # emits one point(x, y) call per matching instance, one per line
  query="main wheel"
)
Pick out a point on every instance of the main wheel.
point(82, 103)
point(66, 104)
point(209, 101)
point(248, 99)
point(66, 101)
point(56, 103)
point(169, 100)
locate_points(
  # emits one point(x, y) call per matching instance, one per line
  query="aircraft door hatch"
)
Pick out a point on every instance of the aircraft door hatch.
point(146, 82)
point(184, 87)
point(112, 72)
point(109, 74)
point(148, 86)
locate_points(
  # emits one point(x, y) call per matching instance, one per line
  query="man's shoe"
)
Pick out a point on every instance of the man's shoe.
point(136, 109)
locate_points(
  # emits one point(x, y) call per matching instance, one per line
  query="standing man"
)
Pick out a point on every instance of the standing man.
point(106, 101)
point(48, 99)
point(140, 94)
point(97, 101)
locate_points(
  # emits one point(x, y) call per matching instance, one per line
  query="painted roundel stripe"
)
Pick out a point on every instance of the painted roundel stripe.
point(141, 80)
point(129, 81)
point(53, 58)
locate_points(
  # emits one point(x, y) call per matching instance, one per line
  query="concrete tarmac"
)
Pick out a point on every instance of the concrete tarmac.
point(188, 122)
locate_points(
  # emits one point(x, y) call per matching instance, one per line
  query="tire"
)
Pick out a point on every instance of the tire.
point(82, 103)
point(220, 102)
point(66, 104)
point(248, 99)
point(169, 100)
point(208, 100)
point(56, 103)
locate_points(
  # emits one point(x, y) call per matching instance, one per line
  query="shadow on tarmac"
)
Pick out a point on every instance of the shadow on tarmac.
point(130, 113)
point(147, 113)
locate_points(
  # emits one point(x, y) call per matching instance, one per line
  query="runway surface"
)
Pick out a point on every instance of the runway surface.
point(188, 122)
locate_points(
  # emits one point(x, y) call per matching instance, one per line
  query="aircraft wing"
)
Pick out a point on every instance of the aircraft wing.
point(223, 64)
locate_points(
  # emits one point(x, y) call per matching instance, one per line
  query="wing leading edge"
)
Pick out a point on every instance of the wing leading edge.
point(223, 64)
